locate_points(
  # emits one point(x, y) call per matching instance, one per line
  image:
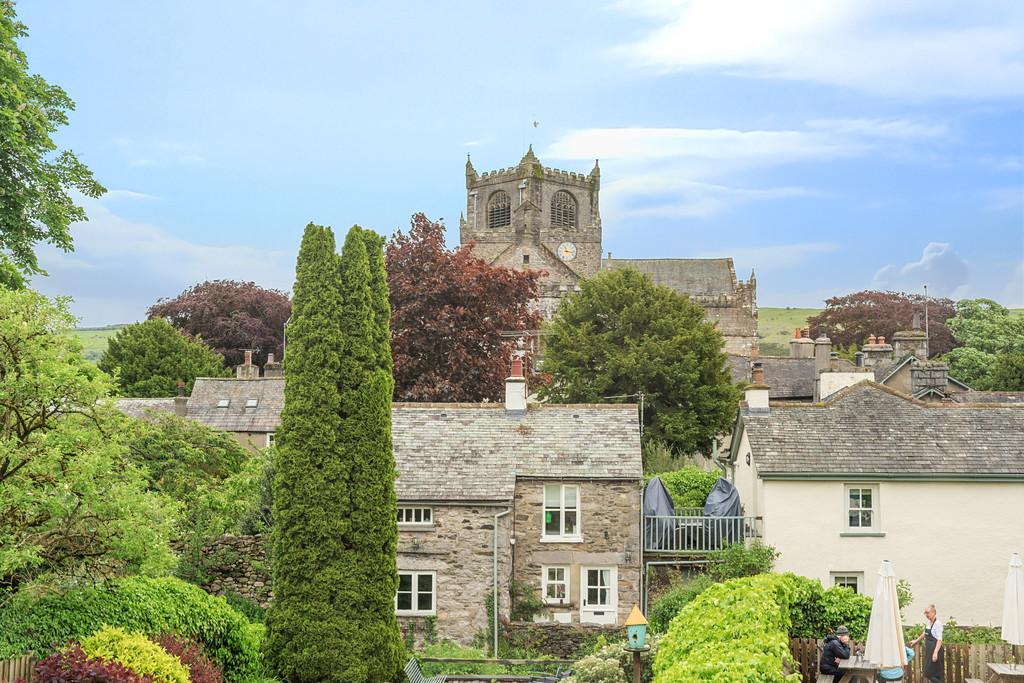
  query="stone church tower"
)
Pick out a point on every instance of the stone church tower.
point(528, 216)
point(532, 217)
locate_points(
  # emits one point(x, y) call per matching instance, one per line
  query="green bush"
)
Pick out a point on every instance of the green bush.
point(737, 560)
point(669, 604)
point(816, 612)
point(143, 605)
point(136, 652)
point(733, 632)
point(610, 663)
point(246, 607)
point(689, 486)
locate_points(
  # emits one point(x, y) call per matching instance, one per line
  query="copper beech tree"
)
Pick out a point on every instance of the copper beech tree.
point(448, 309)
point(849, 319)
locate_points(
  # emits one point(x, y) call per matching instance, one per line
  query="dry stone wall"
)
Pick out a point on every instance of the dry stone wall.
point(241, 565)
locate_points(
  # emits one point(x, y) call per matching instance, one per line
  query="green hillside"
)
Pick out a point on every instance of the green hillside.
point(775, 327)
point(94, 339)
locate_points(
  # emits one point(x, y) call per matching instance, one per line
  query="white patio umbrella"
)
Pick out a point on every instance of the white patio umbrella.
point(1013, 603)
point(885, 646)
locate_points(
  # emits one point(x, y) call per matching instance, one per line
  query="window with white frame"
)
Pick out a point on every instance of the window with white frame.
point(415, 516)
point(598, 595)
point(851, 580)
point(861, 507)
point(555, 587)
point(416, 593)
point(561, 511)
point(270, 439)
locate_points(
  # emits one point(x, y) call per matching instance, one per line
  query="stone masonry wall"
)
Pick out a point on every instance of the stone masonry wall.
point(239, 564)
point(610, 528)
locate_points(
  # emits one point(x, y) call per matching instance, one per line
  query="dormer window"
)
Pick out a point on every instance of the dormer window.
point(224, 403)
point(499, 210)
point(563, 210)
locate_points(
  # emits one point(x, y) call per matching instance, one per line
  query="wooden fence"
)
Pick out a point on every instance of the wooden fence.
point(13, 669)
point(962, 661)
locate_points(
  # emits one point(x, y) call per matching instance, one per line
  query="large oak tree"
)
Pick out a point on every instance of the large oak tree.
point(448, 309)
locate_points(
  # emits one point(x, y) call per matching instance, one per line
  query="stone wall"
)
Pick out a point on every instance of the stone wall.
point(239, 564)
point(610, 529)
point(459, 547)
point(561, 641)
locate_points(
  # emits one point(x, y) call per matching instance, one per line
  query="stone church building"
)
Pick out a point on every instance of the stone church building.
point(532, 217)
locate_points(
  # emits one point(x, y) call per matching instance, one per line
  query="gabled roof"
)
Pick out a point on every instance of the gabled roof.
point(459, 451)
point(884, 372)
point(142, 408)
point(204, 405)
point(973, 396)
point(697, 277)
point(787, 378)
point(868, 430)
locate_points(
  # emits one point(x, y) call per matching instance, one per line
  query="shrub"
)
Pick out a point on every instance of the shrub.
point(595, 669)
point(136, 652)
point(72, 664)
point(733, 632)
point(143, 605)
point(246, 607)
point(815, 612)
point(666, 607)
point(610, 663)
point(689, 486)
point(190, 654)
point(737, 560)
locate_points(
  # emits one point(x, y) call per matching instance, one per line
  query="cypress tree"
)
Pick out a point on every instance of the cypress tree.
point(308, 625)
point(366, 385)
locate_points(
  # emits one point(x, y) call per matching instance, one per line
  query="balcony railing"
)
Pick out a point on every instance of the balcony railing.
point(695, 534)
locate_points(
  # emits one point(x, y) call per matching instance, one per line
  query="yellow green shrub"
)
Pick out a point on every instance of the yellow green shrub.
point(136, 652)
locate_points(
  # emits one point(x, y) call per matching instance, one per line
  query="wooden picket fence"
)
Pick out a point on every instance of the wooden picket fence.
point(962, 661)
point(20, 667)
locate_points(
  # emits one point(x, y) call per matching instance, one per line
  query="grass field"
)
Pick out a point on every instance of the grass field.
point(94, 339)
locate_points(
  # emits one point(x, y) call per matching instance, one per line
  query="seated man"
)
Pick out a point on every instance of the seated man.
point(837, 647)
point(896, 672)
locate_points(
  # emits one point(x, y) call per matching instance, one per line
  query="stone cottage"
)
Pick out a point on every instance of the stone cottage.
point(542, 496)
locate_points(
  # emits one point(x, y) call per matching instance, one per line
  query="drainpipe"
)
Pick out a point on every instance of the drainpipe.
point(496, 601)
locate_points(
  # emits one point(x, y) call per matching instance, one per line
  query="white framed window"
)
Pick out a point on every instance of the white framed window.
point(270, 439)
point(251, 403)
point(555, 584)
point(561, 512)
point(851, 580)
point(415, 516)
point(861, 507)
point(416, 593)
point(224, 403)
point(599, 595)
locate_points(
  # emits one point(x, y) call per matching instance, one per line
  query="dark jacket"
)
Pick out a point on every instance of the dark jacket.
point(833, 648)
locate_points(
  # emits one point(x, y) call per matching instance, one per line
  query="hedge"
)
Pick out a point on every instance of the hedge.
point(689, 486)
point(143, 605)
point(733, 632)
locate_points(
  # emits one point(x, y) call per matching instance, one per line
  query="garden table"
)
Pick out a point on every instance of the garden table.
point(857, 667)
point(1005, 672)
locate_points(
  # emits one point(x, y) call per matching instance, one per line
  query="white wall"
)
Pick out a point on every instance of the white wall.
point(831, 382)
point(951, 540)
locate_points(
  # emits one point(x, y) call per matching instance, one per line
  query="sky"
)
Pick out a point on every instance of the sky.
point(829, 146)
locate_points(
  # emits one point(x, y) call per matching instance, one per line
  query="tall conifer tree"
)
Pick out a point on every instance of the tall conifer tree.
point(308, 626)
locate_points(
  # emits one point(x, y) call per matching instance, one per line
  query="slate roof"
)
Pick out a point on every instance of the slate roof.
point(989, 397)
point(142, 407)
point(697, 277)
point(868, 429)
point(787, 378)
point(236, 417)
point(460, 451)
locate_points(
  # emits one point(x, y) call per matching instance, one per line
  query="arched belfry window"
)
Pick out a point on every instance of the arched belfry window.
point(499, 210)
point(563, 210)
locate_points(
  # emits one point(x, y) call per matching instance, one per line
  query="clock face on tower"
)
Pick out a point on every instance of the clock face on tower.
point(567, 251)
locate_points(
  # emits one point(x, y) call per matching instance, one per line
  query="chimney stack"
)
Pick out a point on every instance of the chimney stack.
point(181, 400)
point(247, 370)
point(876, 352)
point(822, 352)
point(910, 342)
point(272, 368)
point(515, 388)
point(757, 392)
point(801, 346)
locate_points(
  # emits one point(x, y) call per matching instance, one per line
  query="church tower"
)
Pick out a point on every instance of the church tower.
point(537, 218)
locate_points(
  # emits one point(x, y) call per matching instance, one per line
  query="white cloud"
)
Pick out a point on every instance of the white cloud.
point(894, 128)
point(120, 267)
point(939, 267)
point(128, 194)
point(653, 195)
point(913, 48)
point(774, 256)
point(158, 153)
point(1008, 163)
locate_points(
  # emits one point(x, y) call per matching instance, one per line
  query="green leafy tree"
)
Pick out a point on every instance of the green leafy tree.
point(35, 178)
point(986, 331)
point(151, 357)
point(73, 504)
point(621, 335)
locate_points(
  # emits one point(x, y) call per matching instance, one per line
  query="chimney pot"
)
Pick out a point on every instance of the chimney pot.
point(805, 333)
point(248, 357)
point(871, 339)
point(881, 339)
point(858, 359)
point(270, 358)
point(515, 387)
point(796, 333)
point(757, 373)
point(755, 353)
point(181, 387)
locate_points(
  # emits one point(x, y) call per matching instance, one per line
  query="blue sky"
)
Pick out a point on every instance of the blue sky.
point(833, 146)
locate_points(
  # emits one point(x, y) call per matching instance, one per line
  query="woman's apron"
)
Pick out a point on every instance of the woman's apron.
point(933, 670)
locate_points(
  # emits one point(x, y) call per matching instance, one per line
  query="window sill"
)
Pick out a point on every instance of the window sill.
point(566, 604)
point(415, 527)
point(415, 614)
point(862, 534)
point(561, 539)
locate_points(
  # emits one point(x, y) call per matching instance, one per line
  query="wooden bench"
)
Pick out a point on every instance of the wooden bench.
point(414, 675)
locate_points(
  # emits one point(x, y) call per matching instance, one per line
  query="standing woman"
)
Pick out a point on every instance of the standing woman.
point(934, 662)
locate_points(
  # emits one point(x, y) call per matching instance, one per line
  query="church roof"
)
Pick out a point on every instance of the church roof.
point(697, 277)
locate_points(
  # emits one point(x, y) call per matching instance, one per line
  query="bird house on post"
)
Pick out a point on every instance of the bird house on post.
point(636, 630)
